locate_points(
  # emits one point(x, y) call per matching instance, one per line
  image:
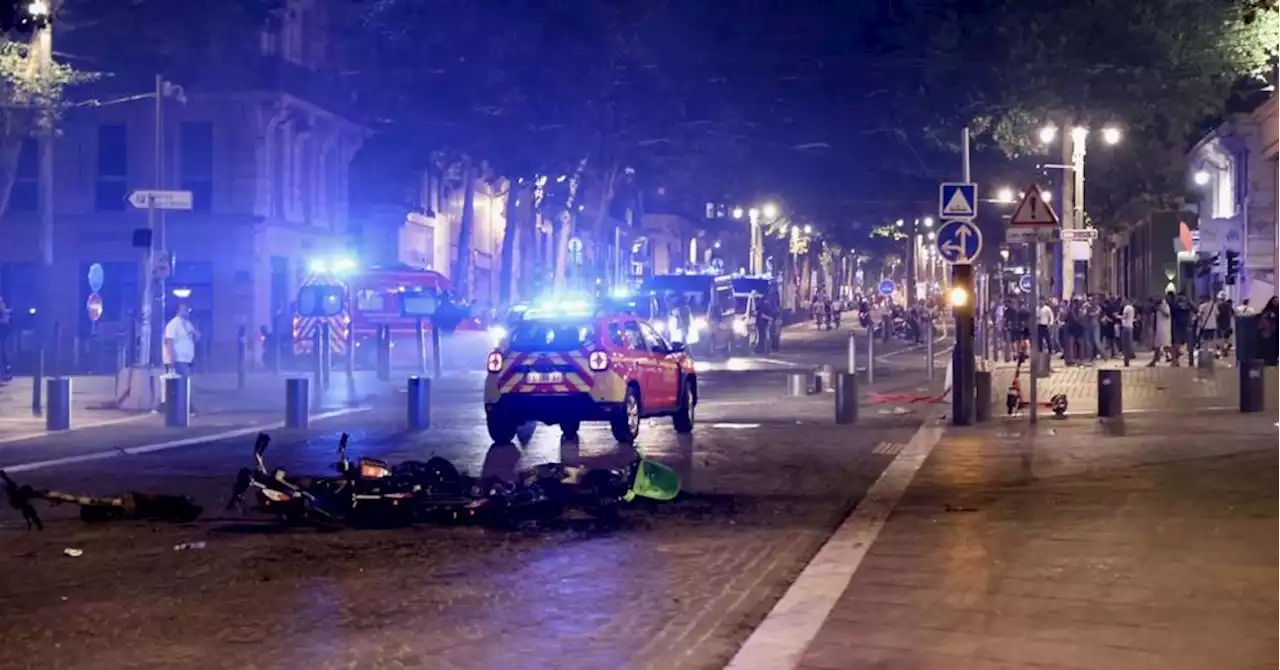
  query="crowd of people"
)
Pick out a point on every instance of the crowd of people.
point(1088, 328)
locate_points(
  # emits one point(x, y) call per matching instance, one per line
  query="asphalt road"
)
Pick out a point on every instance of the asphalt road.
point(670, 585)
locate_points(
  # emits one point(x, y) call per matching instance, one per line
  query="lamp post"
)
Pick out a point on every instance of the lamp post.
point(1074, 146)
point(757, 217)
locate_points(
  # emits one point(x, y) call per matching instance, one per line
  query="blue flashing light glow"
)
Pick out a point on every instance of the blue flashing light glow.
point(620, 292)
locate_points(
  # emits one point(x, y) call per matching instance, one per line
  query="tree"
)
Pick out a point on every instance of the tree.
point(28, 101)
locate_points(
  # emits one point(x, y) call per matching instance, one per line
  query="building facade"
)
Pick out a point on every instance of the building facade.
point(267, 168)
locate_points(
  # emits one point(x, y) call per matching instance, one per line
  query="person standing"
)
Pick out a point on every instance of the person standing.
point(179, 350)
point(1127, 316)
point(1162, 343)
point(1044, 321)
point(6, 318)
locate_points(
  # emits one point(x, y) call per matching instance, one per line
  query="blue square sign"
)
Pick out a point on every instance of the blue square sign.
point(958, 200)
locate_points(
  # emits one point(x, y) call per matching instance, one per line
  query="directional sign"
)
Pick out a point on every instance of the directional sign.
point(95, 277)
point(959, 241)
point(887, 287)
point(1024, 283)
point(958, 200)
point(1033, 211)
point(1080, 234)
point(94, 305)
point(143, 199)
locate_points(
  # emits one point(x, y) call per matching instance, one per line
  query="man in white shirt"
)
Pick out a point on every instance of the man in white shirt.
point(180, 336)
point(1044, 319)
point(1127, 316)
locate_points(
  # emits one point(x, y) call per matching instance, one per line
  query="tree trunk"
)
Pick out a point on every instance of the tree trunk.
point(563, 231)
point(10, 148)
point(462, 264)
point(510, 238)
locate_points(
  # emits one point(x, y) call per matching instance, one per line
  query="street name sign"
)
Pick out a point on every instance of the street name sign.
point(144, 199)
point(957, 200)
point(959, 241)
point(1080, 234)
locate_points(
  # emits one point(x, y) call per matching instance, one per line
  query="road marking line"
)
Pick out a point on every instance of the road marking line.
point(781, 639)
point(92, 424)
point(172, 444)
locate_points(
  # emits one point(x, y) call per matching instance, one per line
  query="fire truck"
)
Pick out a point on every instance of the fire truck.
point(366, 299)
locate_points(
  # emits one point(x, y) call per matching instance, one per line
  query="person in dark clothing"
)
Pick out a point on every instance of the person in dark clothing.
point(1268, 331)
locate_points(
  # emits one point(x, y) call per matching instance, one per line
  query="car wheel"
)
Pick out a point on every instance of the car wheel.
point(626, 428)
point(684, 416)
point(501, 429)
point(570, 428)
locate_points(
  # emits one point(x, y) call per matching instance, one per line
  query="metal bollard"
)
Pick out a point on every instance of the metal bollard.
point(37, 383)
point(297, 403)
point(846, 386)
point(177, 401)
point(1252, 393)
point(317, 363)
point(871, 359)
point(1110, 394)
point(853, 353)
point(420, 340)
point(59, 393)
point(982, 395)
point(326, 356)
point(242, 357)
point(928, 348)
point(436, 362)
point(824, 378)
point(419, 403)
point(384, 353)
point(797, 384)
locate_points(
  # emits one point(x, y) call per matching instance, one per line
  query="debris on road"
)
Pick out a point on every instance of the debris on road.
point(132, 505)
point(73, 552)
point(185, 546)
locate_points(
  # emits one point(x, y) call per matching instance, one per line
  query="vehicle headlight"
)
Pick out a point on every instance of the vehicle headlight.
point(740, 326)
point(700, 324)
point(497, 334)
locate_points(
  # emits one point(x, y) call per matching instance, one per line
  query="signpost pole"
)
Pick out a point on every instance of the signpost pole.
point(148, 294)
point(1035, 332)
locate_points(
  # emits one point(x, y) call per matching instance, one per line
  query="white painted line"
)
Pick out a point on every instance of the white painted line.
point(172, 444)
point(781, 640)
point(81, 426)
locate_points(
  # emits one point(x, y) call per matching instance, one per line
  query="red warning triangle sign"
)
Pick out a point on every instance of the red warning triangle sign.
point(1033, 210)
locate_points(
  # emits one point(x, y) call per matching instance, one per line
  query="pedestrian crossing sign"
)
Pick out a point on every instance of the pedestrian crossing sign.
point(958, 200)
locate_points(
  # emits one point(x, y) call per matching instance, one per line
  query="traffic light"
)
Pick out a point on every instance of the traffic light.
point(1233, 267)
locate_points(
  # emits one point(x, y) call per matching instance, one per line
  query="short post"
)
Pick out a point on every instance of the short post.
point(436, 362)
point(420, 341)
point(297, 403)
point(419, 403)
point(928, 348)
point(242, 357)
point(982, 395)
point(37, 382)
point(846, 398)
point(871, 360)
point(853, 353)
point(1110, 394)
point(798, 384)
point(384, 353)
point(326, 355)
point(1251, 386)
point(59, 415)
point(317, 362)
point(177, 401)
point(351, 366)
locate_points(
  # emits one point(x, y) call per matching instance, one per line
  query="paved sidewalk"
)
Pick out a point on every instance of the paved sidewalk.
point(1150, 543)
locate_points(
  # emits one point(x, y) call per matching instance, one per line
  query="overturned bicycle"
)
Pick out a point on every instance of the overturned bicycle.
point(371, 492)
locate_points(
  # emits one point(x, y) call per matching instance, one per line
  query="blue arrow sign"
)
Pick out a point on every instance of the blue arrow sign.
point(887, 287)
point(958, 200)
point(1024, 283)
point(959, 241)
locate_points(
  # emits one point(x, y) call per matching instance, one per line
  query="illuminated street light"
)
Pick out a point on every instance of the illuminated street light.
point(928, 222)
point(737, 212)
point(1201, 177)
point(753, 213)
point(808, 229)
point(931, 235)
point(769, 210)
point(1048, 133)
point(1005, 195)
point(899, 223)
point(1111, 135)
point(38, 8)
point(1046, 196)
point(1079, 134)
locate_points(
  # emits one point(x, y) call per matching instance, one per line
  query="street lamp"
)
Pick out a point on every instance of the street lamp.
point(1048, 133)
point(1046, 196)
point(737, 212)
point(1201, 177)
point(1111, 135)
point(808, 229)
point(1004, 195)
point(1079, 134)
point(899, 223)
point(928, 223)
point(769, 210)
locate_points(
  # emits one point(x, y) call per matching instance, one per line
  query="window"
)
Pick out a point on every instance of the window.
point(631, 337)
point(653, 340)
point(197, 163)
point(110, 189)
point(551, 336)
point(370, 300)
point(25, 194)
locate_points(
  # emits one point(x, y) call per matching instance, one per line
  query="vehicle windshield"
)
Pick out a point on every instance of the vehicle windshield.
point(750, 285)
point(548, 335)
